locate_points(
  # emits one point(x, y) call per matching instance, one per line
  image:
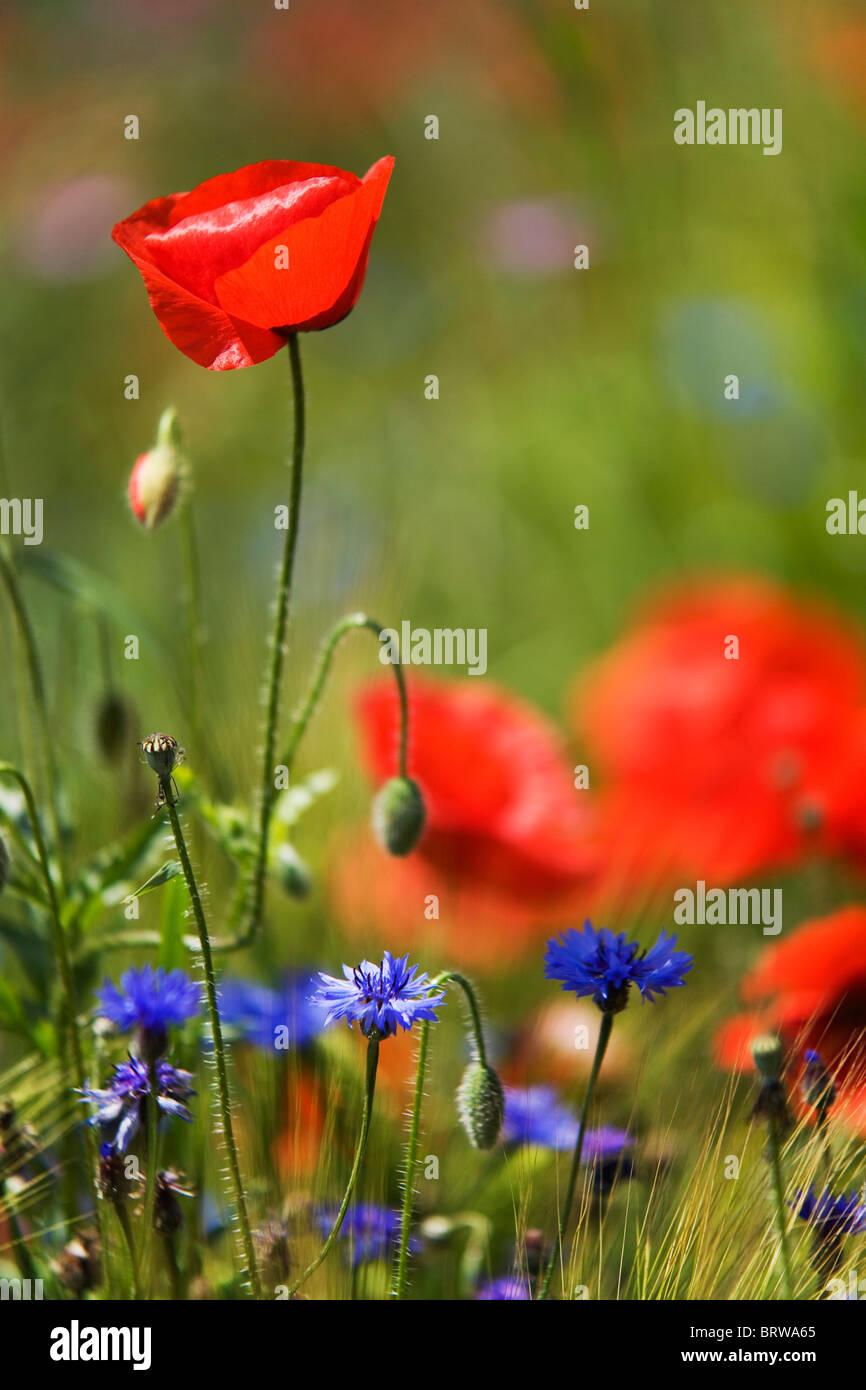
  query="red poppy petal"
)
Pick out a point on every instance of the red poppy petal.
point(323, 255)
point(825, 955)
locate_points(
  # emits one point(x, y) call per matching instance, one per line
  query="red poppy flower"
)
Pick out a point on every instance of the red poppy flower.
point(811, 989)
point(507, 845)
point(721, 766)
point(247, 258)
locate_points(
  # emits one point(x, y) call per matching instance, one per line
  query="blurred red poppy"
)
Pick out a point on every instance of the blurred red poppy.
point(507, 848)
point(729, 726)
point(811, 989)
point(247, 258)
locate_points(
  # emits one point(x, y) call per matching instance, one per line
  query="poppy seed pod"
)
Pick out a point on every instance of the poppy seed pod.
point(767, 1055)
point(399, 815)
point(481, 1104)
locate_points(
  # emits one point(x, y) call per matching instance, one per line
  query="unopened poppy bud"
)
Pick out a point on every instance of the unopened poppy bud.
point(766, 1053)
point(157, 476)
point(398, 815)
point(294, 875)
point(4, 865)
point(481, 1104)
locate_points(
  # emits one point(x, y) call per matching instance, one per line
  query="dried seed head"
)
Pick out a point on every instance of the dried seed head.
point(157, 476)
point(481, 1104)
point(399, 815)
point(162, 753)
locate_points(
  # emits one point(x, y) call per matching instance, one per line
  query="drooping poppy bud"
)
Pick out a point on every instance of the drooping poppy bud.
point(399, 815)
point(481, 1104)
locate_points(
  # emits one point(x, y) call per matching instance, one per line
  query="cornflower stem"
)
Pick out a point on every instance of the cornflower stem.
point(600, 1049)
point(401, 1271)
point(150, 1180)
point(222, 1087)
point(366, 1115)
point(774, 1144)
point(129, 1237)
point(27, 638)
point(256, 887)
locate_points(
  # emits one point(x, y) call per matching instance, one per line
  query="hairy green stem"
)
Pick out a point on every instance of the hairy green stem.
point(223, 1098)
point(600, 1049)
point(129, 1238)
point(150, 1180)
point(398, 1289)
point(255, 888)
point(369, 1093)
point(774, 1145)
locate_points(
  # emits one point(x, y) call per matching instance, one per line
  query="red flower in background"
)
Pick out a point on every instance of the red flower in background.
point(720, 767)
point(247, 258)
point(507, 845)
point(811, 989)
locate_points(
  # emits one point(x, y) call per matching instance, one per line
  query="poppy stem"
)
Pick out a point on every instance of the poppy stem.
point(222, 1086)
point(369, 1093)
point(600, 1049)
point(398, 1290)
point(775, 1149)
point(350, 623)
point(256, 885)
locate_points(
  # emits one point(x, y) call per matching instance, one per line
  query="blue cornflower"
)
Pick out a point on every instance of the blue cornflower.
point(124, 1101)
point(256, 1012)
point(534, 1115)
point(604, 966)
point(832, 1216)
point(507, 1288)
point(370, 1232)
point(151, 1001)
point(380, 998)
point(816, 1086)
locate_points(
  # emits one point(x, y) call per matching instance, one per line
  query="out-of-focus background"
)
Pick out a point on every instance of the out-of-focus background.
point(557, 386)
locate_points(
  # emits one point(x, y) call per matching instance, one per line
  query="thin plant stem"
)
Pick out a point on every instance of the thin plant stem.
point(369, 1093)
point(40, 705)
point(129, 1238)
point(775, 1149)
point(256, 887)
point(398, 1290)
point(600, 1049)
point(193, 618)
point(150, 1179)
point(223, 1098)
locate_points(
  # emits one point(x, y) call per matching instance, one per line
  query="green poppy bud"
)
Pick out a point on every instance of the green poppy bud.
point(399, 815)
point(481, 1104)
point(767, 1055)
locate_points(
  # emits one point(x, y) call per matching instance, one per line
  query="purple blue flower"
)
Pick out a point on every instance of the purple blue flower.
point(368, 1232)
point(123, 1103)
point(379, 998)
point(507, 1288)
point(603, 966)
point(832, 1216)
point(535, 1115)
point(151, 1001)
point(255, 1012)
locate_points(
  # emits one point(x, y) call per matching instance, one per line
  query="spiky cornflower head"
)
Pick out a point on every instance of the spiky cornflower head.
point(368, 1232)
point(111, 1176)
point(831, 1219)
point(600, 965)
point(816, 1084)
point(257, 1014)
point(481, 1104)
point(123, 1103)
point(508, 1288)
point(151, 1001)
point(399, 815)
point(380, 998)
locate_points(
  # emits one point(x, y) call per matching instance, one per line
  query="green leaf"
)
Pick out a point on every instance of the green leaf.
point(164, 875)
point(293, 803)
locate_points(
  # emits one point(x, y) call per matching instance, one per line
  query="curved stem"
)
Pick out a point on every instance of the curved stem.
point(402, 1270)
point(255, 888)
point(446, 977)
point(600, 1049)
point(218, 1045)
point(775, 1147)
point(369, 1092)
